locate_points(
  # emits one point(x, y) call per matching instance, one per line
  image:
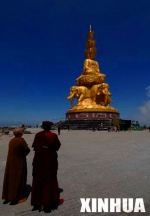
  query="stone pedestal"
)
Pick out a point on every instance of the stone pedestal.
point(99, 120)
point(91, 116)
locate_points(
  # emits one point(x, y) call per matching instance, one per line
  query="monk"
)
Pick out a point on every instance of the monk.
point(45, 191)
point(14, 186)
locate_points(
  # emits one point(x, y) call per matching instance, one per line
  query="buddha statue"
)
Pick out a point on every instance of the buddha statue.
point(91, 67)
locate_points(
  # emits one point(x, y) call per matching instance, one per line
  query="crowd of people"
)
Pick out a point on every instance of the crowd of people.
point(45, 193)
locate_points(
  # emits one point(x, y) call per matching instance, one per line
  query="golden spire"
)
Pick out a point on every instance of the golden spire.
point(91, 51)
point(90, 28)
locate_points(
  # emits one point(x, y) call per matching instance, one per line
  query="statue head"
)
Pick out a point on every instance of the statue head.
point(90, 35)
point(91, 51)
point(104, 85)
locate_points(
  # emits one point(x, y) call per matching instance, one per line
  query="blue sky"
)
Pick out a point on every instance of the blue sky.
point(42, 46)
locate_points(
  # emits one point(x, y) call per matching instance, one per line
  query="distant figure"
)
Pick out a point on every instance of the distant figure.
point(45, 191)
point(109, 129)
point(68, 127)
point(117, 129)
point(112, 128)
point(14, 186)
point(23, 126)
point(149, 128)
point(59, 128)
point(6, 131)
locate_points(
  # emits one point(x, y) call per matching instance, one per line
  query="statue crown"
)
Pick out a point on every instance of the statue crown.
point(90, 45)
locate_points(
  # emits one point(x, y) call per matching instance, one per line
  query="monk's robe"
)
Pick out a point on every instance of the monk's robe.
point(45, 190)
point(15, 177)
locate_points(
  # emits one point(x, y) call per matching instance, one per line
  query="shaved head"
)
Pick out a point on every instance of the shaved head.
point(18, 132)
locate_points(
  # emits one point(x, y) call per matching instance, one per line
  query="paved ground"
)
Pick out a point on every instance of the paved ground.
point(91, 165)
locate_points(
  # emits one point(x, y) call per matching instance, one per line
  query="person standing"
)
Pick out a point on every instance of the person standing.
point(59, 128)
point(118, 128)
point(15, 177)
point(109, 129)
point(45, 191)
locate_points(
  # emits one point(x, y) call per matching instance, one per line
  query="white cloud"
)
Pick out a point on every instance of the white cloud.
point(145, 109)
point(143, 113)
point(148, 91)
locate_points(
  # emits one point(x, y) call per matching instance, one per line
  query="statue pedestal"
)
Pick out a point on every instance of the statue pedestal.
point(93, 115)
point(99, 120)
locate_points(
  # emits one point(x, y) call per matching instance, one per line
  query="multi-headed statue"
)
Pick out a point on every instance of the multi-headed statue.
point(91, 91)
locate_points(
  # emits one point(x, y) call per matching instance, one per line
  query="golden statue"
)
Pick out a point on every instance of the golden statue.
point(91, 91)
point(91, 72)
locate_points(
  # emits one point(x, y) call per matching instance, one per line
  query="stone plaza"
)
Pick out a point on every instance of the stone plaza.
point(92, 164)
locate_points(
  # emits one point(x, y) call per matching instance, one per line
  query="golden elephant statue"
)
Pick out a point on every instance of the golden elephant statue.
point(100, 94)
point(80, 92)
point(106, 94)
point(95, 91)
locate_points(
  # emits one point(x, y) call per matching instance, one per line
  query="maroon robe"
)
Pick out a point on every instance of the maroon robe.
point(45, 189)
point(15, 177)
